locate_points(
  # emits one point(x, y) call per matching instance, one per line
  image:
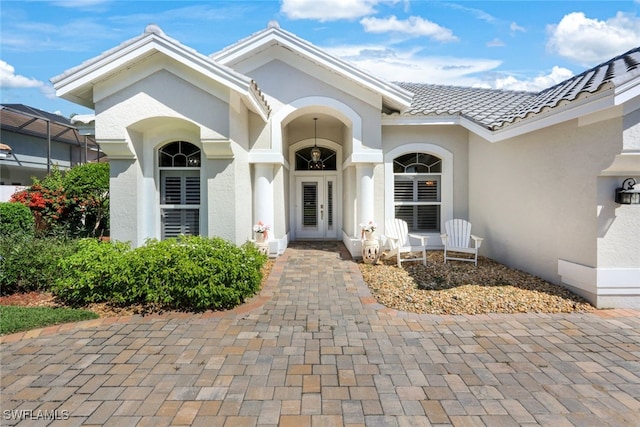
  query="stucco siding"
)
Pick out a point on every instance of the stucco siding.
point(123, 201)
point(242, 203)
point(534, 198)
point(284, 84)
point(631, 131)
point(162, 94)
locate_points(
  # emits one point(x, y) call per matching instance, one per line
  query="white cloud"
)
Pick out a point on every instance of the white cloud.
point(10, 80)
point(409, 66)
point(81, 4)
point(495, 43)
point(535, 84)
point(590, 41)
point(415, 26)
point(328, 10)
point(84, 34)
point(515, 27)
point(477, 13)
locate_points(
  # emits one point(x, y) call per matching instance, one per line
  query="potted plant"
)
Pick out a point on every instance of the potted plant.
point(368, 230)
point(261, 230)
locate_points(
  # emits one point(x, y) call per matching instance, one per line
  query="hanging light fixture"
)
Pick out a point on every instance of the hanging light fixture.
point(315, 151)
point(316, 160)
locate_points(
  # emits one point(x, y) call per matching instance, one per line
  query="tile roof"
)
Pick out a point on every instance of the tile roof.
point(494, 109)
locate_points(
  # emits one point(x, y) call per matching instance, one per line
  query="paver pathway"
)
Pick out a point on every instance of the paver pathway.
point(314, 349)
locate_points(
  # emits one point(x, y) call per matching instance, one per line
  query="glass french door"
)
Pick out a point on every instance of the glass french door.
point(315, 203)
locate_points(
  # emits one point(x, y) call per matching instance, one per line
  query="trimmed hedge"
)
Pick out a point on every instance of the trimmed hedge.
point(15, 218)
point(29, 264)
point(187, 273)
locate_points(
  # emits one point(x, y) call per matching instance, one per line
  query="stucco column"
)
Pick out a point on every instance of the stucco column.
point(263, 195)
point(364, 192)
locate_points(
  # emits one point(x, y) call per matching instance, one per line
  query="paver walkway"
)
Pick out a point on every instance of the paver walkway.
point(314, 349)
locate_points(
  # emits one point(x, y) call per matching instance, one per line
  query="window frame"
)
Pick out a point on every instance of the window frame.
point(192, 169)
point(429, 174)
point(446, 181)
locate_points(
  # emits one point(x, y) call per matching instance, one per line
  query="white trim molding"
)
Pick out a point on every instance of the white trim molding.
point(600, 282)
point(117, 149)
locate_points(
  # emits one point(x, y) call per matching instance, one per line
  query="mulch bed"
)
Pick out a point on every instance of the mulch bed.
point(462, 288)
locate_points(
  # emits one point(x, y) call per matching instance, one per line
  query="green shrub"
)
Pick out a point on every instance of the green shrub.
point(87, 275)
point(87, 189)
point(187, 273)
point(28, 263)
point(15, 218)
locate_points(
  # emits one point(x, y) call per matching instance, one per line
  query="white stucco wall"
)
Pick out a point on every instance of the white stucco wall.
point(540, 205)
point(284, 83)
point(135, 120)
point(123, 201)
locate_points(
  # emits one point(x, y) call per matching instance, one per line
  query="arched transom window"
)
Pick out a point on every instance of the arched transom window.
point(179, 164)
point(417, 191)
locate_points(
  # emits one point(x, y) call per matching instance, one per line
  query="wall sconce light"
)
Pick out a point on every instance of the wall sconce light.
point(628, 194)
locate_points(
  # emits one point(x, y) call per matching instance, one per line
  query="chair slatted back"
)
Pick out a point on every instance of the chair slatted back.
point(459, 232)
point(397, 228)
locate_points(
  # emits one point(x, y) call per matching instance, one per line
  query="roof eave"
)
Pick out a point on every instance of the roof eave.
point(597, 103)
point(576, 109)
point(78, 81)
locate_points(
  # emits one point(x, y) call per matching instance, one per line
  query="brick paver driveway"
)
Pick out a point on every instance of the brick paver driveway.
point(315, 349)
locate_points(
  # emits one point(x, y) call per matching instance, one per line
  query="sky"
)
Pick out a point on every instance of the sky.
point(510, 45)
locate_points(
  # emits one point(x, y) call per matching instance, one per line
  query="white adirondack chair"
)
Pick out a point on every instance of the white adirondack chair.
point(399, 238)
point(458, 238)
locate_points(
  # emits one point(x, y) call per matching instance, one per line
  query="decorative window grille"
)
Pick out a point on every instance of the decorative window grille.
point(417, 191)
point(179, 164)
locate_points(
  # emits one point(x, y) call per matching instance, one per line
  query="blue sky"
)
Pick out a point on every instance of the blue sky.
point(515, 45)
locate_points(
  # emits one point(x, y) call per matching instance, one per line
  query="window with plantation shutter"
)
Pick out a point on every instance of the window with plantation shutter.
point(417, 191)
point(179, 189)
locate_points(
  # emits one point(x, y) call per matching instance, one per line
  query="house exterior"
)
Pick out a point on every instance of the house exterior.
point(212, 144)
point(33, 141)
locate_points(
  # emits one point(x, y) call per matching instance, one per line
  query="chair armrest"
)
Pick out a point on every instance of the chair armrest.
point(422, 238)
point(444, 237)
point(393, 241)
point(477, 240)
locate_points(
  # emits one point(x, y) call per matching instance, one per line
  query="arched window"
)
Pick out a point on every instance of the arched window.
point(417, 197)
point(179, 164)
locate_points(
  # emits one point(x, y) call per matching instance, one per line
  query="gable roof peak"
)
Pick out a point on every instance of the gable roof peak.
point(394, 97)
point(154, 29)
point(273, 24)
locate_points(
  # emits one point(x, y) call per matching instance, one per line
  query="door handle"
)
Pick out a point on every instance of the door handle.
point(321, 212)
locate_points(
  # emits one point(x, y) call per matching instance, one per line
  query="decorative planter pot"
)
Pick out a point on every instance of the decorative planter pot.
point(369, 235)
point(261, 237)
point(370, 251)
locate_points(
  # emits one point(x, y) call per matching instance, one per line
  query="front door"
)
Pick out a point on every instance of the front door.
point(315, 207)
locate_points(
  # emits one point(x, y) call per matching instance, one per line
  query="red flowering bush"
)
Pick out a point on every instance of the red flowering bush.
point(75, 204)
